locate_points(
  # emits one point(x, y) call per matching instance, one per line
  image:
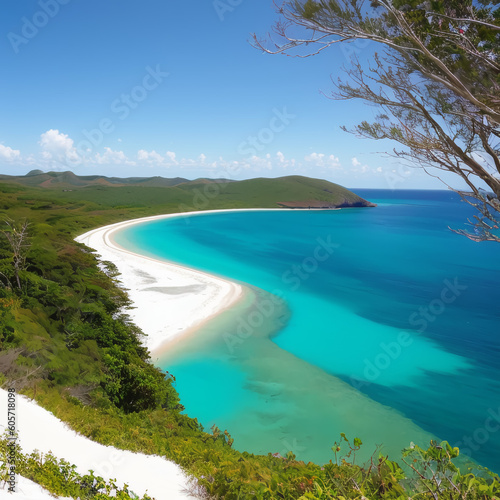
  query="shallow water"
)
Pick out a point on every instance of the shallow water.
point(389, 330)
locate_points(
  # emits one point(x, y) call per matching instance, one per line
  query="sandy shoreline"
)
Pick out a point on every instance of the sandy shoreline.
point(169, 300)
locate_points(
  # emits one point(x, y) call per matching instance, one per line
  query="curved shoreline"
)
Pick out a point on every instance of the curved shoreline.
point(169, 300)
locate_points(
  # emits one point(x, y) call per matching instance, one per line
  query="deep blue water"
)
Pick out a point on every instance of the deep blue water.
point(386, 299)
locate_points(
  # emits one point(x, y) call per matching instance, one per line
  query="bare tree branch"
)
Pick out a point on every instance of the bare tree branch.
point(437, 84)
point(18, 238)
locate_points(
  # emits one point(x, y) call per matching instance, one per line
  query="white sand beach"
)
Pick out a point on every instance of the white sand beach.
point(169, 300)
point(38, 429)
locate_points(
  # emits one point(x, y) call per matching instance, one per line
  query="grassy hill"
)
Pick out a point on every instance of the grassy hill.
point(294, 191)
point(66, 341)
point(69, 180)
point(158, 194)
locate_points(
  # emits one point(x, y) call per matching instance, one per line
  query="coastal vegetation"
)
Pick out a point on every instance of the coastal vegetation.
point(66, 341)
point(435, 83)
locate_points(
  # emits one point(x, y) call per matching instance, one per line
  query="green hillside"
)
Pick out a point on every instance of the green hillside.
point(68, 180)
point(159, 195)
point(66, 341)
point(303, 190)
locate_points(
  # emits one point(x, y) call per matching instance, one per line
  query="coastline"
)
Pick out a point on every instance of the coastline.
point(169, 300)
point(259, 369)
point(187, 299)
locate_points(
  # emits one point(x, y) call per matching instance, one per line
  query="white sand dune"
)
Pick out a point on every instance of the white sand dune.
point(38, 429)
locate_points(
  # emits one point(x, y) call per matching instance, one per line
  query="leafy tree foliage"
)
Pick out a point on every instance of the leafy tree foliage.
point(81, 309)
point(436, 83)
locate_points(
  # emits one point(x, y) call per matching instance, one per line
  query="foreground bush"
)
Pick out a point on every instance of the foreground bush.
point(427, 474)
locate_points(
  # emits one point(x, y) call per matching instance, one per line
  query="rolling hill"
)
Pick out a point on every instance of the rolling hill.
point(199, 194)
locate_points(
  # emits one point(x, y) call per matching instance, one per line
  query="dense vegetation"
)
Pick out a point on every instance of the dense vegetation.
point(66, 341)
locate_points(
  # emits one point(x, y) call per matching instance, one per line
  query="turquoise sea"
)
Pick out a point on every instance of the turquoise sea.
point(377, 322)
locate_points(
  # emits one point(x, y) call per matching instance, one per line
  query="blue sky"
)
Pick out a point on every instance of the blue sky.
point(127, 88)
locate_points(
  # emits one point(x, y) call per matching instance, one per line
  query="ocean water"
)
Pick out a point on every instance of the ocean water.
point(377, 322)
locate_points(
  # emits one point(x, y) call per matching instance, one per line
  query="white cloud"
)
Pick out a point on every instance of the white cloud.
point(58, 150)
point(171, 156)
point(150, 156)
point(359, 168)
point(29, 160)
point(257, 163)
point(321, 160)
point(9, 154)
point(315, 158)
point(112, 157)
point(142, 154)
point(57, 146)
point(333, 161)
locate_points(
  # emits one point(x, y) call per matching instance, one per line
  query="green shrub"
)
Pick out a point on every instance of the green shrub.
point(72, 347)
